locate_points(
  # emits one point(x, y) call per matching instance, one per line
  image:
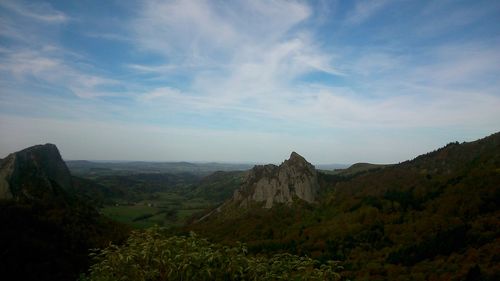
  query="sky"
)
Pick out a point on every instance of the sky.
point(248, 81)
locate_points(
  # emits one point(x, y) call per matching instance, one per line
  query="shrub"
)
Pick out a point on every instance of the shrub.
point(148, 255)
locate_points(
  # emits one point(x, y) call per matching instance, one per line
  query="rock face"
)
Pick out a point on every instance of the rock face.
point(271, 184)
point(33, 173)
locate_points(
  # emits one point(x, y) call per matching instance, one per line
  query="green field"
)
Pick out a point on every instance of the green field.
point(164, 209)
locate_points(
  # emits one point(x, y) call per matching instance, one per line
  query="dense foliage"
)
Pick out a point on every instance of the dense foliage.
point(136, 187)
point(148, 255)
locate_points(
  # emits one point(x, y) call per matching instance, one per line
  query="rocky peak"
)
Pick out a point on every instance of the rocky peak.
point(294, 178)
point(296, 158)
point(34, 172)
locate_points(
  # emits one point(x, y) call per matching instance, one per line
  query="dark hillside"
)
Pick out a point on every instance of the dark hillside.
point(94, 192)
point(47, 228)
point(218, 186)
point(360, 168)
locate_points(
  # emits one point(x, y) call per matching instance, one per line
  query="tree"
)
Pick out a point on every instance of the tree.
point(148, 255)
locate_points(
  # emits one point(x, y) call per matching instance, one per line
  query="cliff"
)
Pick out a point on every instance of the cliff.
point(294, 178)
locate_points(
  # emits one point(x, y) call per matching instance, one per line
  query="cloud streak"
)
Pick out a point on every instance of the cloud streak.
point(364, 10)
point(41, 12)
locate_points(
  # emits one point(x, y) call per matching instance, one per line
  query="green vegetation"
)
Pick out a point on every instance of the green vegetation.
point(433, 218)
point(136, 215)
point(218, 186)
point(132, 188)
point(168, 209)
point(148, 255)
point(144, 200)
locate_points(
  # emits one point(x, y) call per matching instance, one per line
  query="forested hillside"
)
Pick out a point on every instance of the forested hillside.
point(432, 218)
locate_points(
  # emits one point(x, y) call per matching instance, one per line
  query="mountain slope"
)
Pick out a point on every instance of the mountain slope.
point(218, 186)
point(435, 217)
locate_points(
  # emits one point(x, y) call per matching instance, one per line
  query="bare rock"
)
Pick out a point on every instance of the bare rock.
point(294, 178)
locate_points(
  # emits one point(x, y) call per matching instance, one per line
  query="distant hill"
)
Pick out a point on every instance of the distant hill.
point(47, 228)
point(92, 169)
point(356, 169)
point(133, 187)
point(331, 167)
point(436, 217)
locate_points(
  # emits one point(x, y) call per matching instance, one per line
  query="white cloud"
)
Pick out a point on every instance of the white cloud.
point(187, 30)
point(364, 10)
point(46, 66)
point(161, 93)
point(462, 65)
point(34, 57)
point(41, 12)
point(241, 56)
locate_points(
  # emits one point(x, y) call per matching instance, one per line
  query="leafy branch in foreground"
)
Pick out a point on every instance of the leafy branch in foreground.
point(148, 255)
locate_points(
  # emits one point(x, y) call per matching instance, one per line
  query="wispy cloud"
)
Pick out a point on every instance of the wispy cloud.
point(41, 12)
point(261, 78)
point(242, 55)
point(364, 10)
point(186, 30)
point(34, 58)
point(46, 66)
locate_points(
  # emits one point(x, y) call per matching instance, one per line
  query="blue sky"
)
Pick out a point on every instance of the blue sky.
point(248, 81)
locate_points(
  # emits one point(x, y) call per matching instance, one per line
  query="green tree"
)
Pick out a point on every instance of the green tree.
point(148, 255)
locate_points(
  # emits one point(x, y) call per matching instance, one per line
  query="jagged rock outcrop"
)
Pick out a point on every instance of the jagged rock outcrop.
point(33, 173)
point(294, 178)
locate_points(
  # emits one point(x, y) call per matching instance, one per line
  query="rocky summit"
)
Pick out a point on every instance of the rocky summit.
point(294, 178)
point(33, 173)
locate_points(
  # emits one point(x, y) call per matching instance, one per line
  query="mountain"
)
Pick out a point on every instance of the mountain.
point(436, 217)
point(294, 178)
point(33, 173)
point(47, 229)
